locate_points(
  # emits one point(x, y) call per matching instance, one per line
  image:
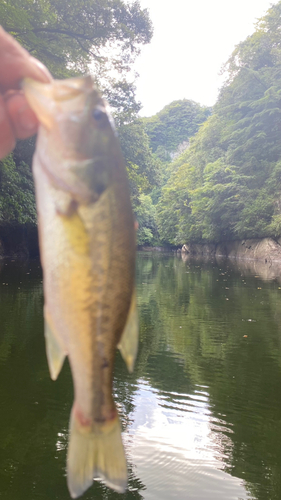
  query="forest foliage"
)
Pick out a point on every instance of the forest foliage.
point(196, 174)
point(102, 37)
point(226, 185)
point(169, 130)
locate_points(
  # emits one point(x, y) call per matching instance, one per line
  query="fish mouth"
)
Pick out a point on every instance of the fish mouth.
point(47, 100)
point(60, 90)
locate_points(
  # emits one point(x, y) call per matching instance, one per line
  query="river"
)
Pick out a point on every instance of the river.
point(201, 414)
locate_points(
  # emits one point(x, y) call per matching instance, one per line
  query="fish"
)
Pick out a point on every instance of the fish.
point(87, 250)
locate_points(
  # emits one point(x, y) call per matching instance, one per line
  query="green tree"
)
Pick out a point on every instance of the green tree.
point(17, 200)
point(143, 168)
point(174, 125)
point(70, 36)
point(145, 213)
point(230, 175)
point(173, 205)
point(98, 36)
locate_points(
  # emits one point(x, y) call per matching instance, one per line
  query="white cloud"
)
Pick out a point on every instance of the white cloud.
point(192, 40)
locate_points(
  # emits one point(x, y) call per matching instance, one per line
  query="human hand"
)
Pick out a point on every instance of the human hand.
point(17, 120)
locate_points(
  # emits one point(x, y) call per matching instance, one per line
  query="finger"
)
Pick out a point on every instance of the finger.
point(7, 142)
point(23, 120)
point(18, 64)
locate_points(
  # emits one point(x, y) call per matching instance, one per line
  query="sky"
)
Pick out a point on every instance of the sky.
point(191, 42)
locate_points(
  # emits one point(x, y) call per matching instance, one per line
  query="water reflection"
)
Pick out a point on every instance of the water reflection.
point(201, 414)
point(173, 448)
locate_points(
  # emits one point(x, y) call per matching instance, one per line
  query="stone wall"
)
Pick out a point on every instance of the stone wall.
point(266, 249)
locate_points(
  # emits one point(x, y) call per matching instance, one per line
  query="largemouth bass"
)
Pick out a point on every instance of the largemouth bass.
point(87, 249)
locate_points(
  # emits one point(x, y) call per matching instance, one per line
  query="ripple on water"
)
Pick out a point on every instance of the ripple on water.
point(174, 446)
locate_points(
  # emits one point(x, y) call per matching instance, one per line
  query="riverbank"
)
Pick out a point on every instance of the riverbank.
point(144, 248)
point(265, 249)
point(22, 242)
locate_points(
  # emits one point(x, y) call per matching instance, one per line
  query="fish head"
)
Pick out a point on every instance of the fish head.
point(76, 130)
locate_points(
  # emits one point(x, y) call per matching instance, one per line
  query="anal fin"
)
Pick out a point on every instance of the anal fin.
point(128, 344)
point(55, 354)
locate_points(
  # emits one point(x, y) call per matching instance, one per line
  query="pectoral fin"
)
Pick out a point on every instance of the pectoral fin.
point(128, 344)
point(55, 354)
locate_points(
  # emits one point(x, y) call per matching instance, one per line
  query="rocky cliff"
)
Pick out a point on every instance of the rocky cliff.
point(266, 249)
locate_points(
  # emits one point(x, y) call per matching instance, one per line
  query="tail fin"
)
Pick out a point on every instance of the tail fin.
point(98, 453)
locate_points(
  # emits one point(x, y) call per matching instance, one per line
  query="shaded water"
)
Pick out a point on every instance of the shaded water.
point(201, 414)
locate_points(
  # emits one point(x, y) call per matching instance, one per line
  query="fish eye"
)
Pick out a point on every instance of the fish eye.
point(98, 114)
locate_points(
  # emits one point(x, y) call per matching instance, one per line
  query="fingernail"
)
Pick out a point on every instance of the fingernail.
point(43, 73)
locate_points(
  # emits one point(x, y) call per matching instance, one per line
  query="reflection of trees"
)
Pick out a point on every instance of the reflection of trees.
point(34, 410)
point(205, 333)
point(29, 418)
point(20, 297)
point(190, 335)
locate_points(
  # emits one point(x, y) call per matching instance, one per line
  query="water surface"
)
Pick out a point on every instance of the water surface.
point(201, 414)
